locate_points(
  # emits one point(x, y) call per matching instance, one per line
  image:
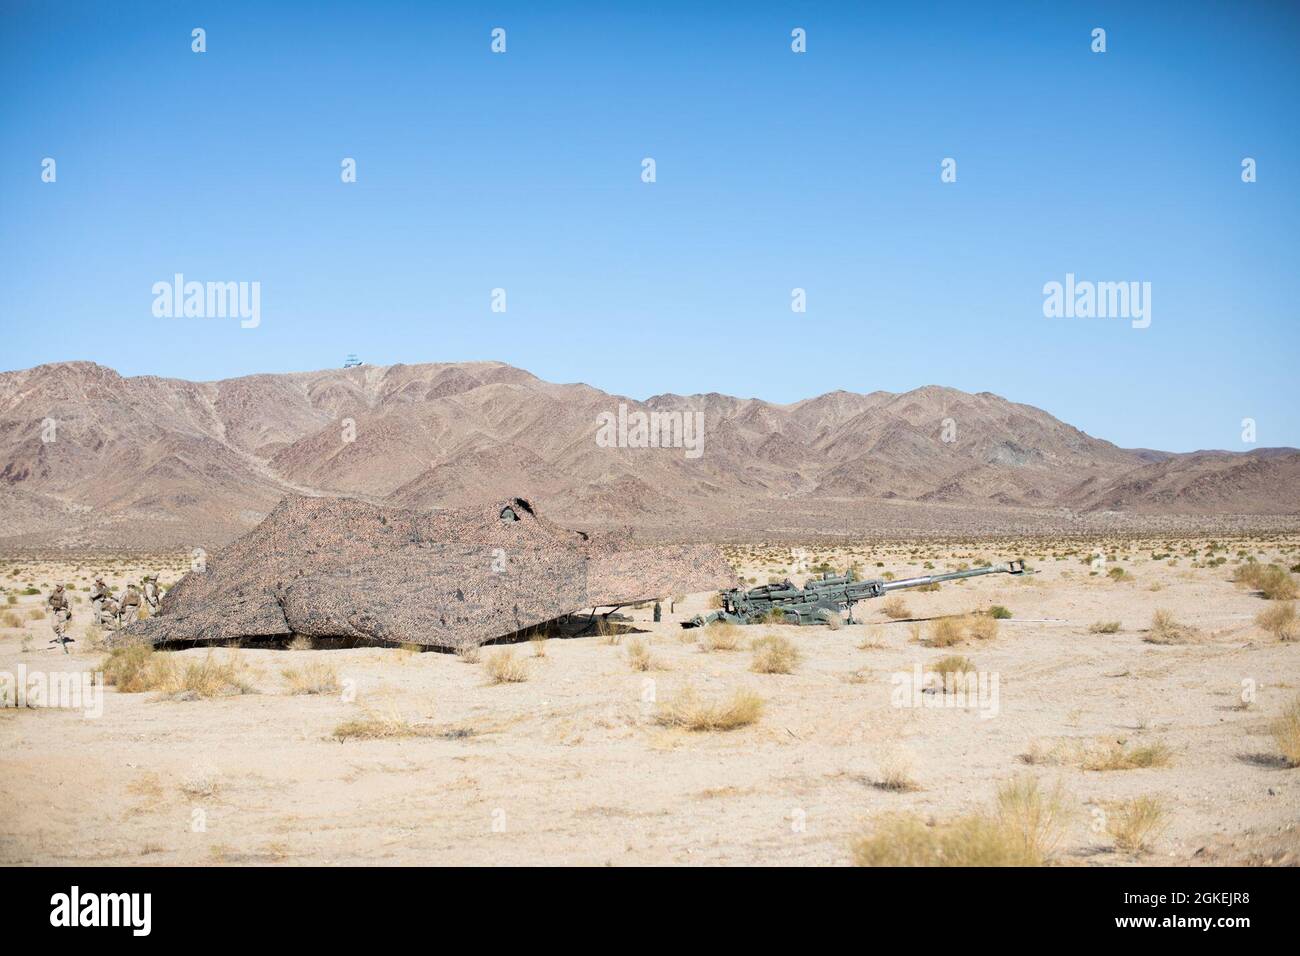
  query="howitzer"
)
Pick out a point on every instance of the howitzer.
point(823, 599)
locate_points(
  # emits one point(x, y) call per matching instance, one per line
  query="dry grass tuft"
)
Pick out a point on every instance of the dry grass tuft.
point(639, 657)
point(774, 655)
point(1286, 733)
point(373, 726)
point(1280, 621)
point(1118, 755)
point(132, 670)
point(11, 618)
point(948, 631)
point(1023, 830)
point(539, 645)
point(687, 710)
point(1133, 824)
point(504, 668)
point(1104, 627)
point(200, 782)
point(1271, 580)
point(953, 664)
point(607, 632)
point(210, 677)
point(896, 608)
point(721, 636)
point(1166, 630)
point(982, 627)
point(894, 773)
point(301, 642)
point(945, 632)
point(871, 641)
point(468, 653)
point(1040, 754)
point(316, 678)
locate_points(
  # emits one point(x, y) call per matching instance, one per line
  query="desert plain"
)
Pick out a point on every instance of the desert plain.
point(1131, 679)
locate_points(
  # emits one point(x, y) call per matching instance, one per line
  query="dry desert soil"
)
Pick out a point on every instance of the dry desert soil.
point(574, 764)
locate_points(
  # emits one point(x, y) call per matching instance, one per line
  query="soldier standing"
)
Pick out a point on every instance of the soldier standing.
point(98, 594)
point(128, 606)
point(152, 597)
point(60, 615)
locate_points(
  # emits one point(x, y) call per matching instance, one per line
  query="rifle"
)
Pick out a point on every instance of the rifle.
point(823, 599)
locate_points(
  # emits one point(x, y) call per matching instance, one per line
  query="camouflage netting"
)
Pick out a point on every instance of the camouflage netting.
point(336, 567)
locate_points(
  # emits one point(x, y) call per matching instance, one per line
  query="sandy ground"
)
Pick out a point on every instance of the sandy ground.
point(571, 766)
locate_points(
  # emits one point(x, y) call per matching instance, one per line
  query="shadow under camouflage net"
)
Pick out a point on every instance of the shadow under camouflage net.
point(341, 568)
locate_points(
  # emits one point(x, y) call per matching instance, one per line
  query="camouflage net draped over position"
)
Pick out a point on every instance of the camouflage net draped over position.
point(337, 567)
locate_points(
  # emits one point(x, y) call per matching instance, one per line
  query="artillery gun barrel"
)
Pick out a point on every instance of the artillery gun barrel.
point(1011, 567)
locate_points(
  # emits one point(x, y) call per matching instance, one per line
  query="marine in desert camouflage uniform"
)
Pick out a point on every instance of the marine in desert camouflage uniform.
point(108, 613)
point(60, 615)
point(128, 606)
point(98, 594)
point(152, 596)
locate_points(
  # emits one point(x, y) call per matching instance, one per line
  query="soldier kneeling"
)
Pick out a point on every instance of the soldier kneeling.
point(108, 617)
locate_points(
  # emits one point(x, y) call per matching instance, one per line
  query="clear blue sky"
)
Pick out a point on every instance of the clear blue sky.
point(775, 171)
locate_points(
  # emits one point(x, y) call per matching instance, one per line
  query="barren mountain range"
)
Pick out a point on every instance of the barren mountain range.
point(91, 459)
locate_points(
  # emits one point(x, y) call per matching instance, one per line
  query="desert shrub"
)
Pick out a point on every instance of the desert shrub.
point(200, 782)
point(381, 726)
point(721, 636)
point(316, 677)
point(1271, 580)
point(691, 712)
point(894, 773)
point(468, 653)
point(210, 677)
point(1103, 627)
point(953, 664)
point(504, 668)
point(538, 641)
point(946, 632)
point(1286, 733)
point(1166, 630)
point(1133, 824)
point(607, 632)
point(1022, 830)
point(36, 614)
point(895, 608)
point(138, 668)
point(1118, 574)
point(1280, 621)
point(999, 612)
point(639, 657)
point(981, 628)
point(129, 669)
point(774, 655)
point(11, 619)
point(1118, 755)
